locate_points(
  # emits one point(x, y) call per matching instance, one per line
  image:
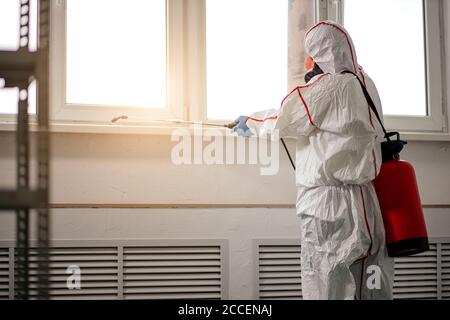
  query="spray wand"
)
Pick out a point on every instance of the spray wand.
point(209, 124)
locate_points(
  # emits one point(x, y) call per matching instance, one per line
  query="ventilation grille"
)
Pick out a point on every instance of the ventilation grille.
point(423, 276)
point(140, 269)
point(172, 273)
point(279, 272)
point(98, 266)
point(445, 254)
point(4, 273)
point(416, 276)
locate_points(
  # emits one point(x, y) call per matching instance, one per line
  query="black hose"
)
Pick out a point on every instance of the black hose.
point(287, 151)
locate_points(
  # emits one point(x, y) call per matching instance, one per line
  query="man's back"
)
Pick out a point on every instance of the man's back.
point(344, 147)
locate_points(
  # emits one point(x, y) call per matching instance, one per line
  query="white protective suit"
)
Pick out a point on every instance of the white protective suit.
point(338, 156)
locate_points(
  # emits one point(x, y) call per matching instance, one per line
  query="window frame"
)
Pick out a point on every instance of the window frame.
point(435, 120)
point(186, 62)
point(195, 61)
point(60, 111)
point(186, 37)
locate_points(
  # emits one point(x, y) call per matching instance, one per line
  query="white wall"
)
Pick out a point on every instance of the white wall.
point(115, 169)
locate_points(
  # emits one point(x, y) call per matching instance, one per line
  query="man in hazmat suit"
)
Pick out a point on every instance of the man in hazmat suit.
point(343, 252)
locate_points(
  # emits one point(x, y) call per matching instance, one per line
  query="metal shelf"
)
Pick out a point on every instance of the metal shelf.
point(19, 199)
point(18, 68)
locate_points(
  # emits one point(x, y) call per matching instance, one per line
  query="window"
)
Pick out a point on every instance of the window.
point(9, 24)
point(192, 60)
point(216, 59)
point(246, 56)
point(116, 53)
point(116, 58)
point(396, 46)
point(9, 41)
point(9, 98)
point(401, 52)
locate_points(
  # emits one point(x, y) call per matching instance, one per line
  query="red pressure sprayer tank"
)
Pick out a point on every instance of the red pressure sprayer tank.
point(399, 199)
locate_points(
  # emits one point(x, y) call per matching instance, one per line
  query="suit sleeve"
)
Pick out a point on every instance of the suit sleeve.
point(291, 119)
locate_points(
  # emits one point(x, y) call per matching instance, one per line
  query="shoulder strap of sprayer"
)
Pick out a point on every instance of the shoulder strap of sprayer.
point(371, 104)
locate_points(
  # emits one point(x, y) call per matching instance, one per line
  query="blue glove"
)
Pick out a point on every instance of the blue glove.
point(241, 128)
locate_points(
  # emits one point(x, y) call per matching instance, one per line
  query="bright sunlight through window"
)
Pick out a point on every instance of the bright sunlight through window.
point(116, 53)
point(9, 99)
point(9, 41)
point(389, 40)
point(246, 56)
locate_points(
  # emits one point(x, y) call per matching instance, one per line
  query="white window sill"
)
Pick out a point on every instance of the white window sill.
point(162, 129)
point(425, 136)
point(106, 128)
